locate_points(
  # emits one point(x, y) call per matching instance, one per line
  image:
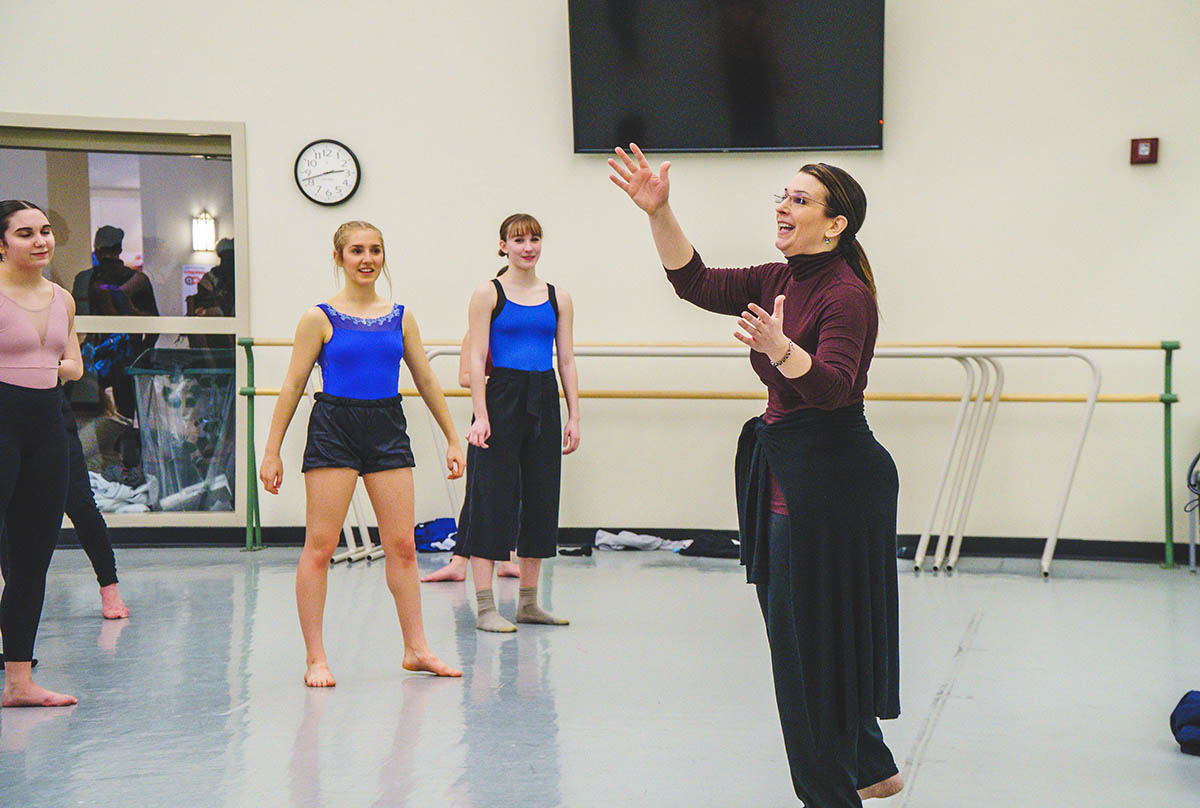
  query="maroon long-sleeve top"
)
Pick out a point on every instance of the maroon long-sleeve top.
point(829, 312)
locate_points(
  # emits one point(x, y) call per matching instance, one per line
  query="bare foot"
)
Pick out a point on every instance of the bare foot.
point(429, 663)
point(111, 605)
point(455, 570)
point(507, 569)
point(883, 789)
point(31, 695)
point(318, 675)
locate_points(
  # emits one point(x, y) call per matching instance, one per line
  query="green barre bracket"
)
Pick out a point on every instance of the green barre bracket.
point(1168, 398)
point(253, 514)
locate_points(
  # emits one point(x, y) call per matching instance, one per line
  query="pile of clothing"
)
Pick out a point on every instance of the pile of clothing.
point(116, 497)
point(703, 546)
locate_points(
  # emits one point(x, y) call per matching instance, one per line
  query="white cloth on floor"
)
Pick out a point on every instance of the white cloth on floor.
point(114, 497)
point(628, 540)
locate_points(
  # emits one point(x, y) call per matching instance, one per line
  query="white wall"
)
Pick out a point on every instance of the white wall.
point(1002, 207)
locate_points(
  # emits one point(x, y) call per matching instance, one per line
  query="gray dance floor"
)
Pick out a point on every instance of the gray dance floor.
point(1016, 691)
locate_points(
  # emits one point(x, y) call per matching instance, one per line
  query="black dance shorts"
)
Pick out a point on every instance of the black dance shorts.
point(365, 434)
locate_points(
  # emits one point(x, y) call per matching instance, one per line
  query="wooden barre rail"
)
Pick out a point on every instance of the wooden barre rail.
point(1081, 346)
point(961, 351)
point(735, 395)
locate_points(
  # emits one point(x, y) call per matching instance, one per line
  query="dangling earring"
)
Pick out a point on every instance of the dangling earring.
point(827, 239)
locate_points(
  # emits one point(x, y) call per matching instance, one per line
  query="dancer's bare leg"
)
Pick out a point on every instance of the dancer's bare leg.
point(391, 494)
point(111, 605)
point(510, 568)
point(455, 570)
point(328, 493)
point(884, 788)
point(20, 691)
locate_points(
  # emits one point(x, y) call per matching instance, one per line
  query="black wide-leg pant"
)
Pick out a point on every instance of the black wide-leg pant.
point(826, 771)
point(513, 485)
point(33, 493)
point(90, 528)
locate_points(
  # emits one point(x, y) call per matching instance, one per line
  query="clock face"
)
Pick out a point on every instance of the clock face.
point(327, 172)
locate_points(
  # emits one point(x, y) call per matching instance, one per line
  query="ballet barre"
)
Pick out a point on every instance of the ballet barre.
point(982, 393)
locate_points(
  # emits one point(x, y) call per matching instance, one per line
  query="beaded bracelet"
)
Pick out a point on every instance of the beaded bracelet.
point(784, 358)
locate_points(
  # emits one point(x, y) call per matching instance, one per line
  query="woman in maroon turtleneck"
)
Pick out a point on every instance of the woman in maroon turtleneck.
point(816, 491)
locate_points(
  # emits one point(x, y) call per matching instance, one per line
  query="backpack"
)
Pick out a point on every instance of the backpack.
point(435, 531)
point(1185, 723)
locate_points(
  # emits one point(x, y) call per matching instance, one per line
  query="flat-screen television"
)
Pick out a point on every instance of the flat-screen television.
point(727, 75)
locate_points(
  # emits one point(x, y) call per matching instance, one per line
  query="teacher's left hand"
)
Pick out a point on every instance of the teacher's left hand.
point(763, 329)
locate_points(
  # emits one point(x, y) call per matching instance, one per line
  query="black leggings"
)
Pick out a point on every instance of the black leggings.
point(33, 492)
point(826, 772)
point(90, 528)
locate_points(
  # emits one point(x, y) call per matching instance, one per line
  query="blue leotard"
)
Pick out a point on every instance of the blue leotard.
point(522, 337)
point(362, 358)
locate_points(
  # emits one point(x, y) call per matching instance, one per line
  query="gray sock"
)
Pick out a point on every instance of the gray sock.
point(528, 610)
point(488, 619)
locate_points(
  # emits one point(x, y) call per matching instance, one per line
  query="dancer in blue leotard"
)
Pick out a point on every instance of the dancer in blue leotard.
point(357, 428)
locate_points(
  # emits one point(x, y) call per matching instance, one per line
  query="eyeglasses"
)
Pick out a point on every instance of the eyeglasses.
point(797, 198)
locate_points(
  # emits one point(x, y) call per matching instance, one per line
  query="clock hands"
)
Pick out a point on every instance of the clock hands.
point(323, 173)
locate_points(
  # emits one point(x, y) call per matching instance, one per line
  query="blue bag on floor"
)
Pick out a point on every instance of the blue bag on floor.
point(435, 532)
point(1185, 723)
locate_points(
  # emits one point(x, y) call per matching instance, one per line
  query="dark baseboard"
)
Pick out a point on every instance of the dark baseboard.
point(980, 546)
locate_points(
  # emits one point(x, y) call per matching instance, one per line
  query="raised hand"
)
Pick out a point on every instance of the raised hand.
point(763, 329)
point(649, 191)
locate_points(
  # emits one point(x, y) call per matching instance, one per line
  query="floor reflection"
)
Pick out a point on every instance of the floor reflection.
point(510, 734)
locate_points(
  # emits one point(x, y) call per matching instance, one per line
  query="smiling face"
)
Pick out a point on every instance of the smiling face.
point(361, 256)
point(523, 249)
point(802, 220)
point(28, 242)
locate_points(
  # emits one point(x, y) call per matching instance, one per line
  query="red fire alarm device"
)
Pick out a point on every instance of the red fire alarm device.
point(1143, 150)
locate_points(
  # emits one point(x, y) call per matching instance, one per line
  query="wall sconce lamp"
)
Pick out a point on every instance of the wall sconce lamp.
point(204, 232)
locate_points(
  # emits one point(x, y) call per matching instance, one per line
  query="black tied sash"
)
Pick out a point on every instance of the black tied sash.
point(531, 388)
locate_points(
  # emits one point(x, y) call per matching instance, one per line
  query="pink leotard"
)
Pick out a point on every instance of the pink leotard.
point(32, 342)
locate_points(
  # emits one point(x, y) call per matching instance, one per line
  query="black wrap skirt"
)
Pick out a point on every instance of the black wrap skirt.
point(841, 487)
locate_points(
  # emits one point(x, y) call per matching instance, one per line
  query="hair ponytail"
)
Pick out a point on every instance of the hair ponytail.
point(845, 197)
point(856, 257)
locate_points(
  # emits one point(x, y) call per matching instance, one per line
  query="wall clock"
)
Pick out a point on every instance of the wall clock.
point(327, 172)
